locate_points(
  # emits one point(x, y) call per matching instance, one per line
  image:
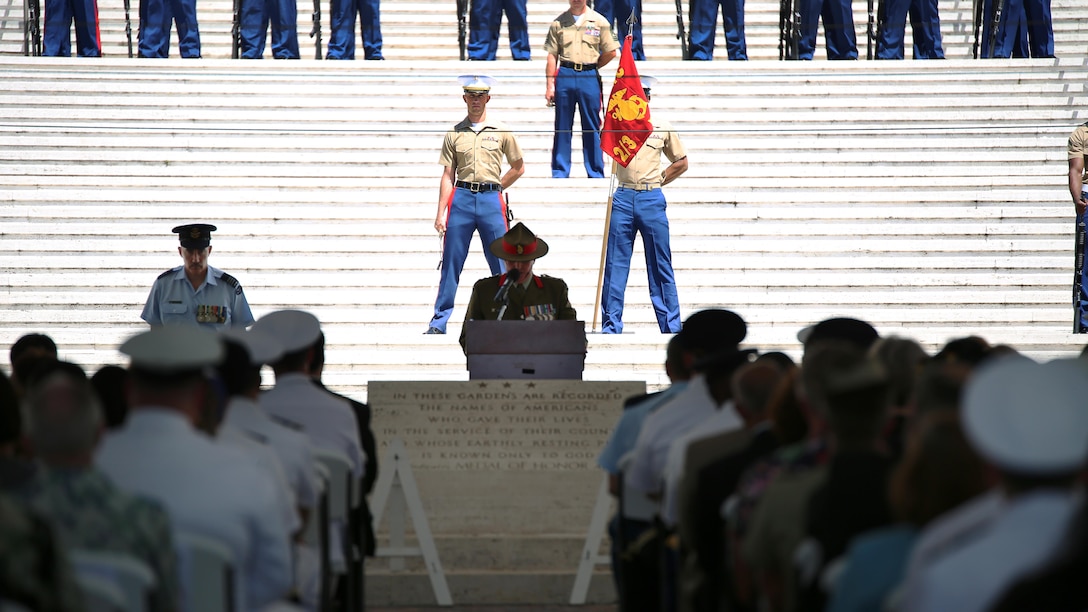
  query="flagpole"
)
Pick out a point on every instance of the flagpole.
point(604, 245)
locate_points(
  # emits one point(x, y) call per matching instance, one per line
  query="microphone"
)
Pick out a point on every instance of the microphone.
point(511, 278)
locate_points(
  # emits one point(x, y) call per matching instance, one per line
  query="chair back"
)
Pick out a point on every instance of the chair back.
point(130, 575)
point(342, 490)
point(207, 574)
point(99, 595)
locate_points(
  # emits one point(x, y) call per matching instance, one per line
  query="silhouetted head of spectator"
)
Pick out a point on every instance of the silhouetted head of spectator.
point(1029, 420)
point(111, 386)
point(784, 409)
point(923, 486)
point(718, 371)
point(969, 350)
point(780, 360)
point(902, 359)
point(246, 352)
point(27, 354)
point(839, 329)
point(709, 331)
point(63, 419)
point(676, 368)
point(939, 387)
point(753, 385)
point(823, 361)
point(857, 404)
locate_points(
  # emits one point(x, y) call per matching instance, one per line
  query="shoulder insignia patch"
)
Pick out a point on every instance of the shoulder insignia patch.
point(167, 273)
point(233, 282)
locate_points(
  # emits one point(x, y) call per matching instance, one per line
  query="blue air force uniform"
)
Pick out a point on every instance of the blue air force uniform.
point(57, 33)
point(218, 303)
point(255, 19)
point(342, 23)
point(485, 22)
point(577, 43)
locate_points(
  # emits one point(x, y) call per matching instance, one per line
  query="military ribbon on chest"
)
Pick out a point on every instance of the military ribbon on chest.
point(207, 313)
point(540, 312)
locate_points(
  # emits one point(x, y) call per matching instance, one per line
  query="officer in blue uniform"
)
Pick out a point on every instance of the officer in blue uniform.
point(580, 41)
point(156, 19)
point(638, 207)
point(839, 35)
point(925, 22)
point(342, 15)
point(617, 12)
point(470, 191)
point(57, 34)
point(195, 293)
point(485, 22)
point(1026, 29)
point(704, 26)
point(256, 15)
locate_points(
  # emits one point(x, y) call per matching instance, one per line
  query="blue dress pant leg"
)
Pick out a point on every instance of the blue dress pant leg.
point(838, 16)
point(589, 107)
point(253, 25)
point(283, 15)
point(483, 30)
point(652, 222)
point(617, 263)
point(341, 30)
point(468, 212)
point(1011, 35)
point(1040, 27)
point(57, 29)
point(156, 21)
point(703, 28)
point(517, 25)
point(733, 22)
point(370, 22)
point(184, 13)
point(88, 42)
point(926, 25)
point(565, 99)
point(890, 38)
point(607, 10)
point(810, 25)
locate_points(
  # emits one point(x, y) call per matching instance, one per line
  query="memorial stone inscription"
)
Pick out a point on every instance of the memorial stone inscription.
point(486, 449)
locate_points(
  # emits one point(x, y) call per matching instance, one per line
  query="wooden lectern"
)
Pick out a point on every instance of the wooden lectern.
point(545, 350)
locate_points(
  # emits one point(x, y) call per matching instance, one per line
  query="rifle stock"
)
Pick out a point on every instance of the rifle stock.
point(32, 37)
point(1078, 269)
point(128, 25)
point(978, 26)
point(681, 33)
point(315, 30)
point(236, 29)
point(870, 32)
point(995, 27)
point(462, 26)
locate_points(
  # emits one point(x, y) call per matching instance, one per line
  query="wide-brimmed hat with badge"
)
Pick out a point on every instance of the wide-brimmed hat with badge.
point(195, 235)
point(476, 83)
point(519, 244)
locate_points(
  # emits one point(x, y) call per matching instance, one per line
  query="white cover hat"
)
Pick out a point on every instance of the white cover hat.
point(294, 330)
point(1029, 418)
point(173, 349)
point(262, 347)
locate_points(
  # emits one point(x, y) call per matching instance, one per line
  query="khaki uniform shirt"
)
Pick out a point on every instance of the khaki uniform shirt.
point(645, 166)
point(1078, 147)
point(581, 39)
point(476, 157)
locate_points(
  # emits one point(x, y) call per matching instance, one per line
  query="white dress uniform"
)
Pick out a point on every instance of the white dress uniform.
point(1027, 534)
point(208, 490)
point(264, 459)
point(219, 301)
point(690, 407)
point(301, 405)
point(291, 447)
point(725, 419)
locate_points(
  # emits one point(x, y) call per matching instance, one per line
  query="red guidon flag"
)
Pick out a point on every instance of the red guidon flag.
point(627, 116)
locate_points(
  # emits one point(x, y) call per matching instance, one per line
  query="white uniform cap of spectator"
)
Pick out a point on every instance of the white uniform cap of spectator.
point(476, 82)
point(294, 330)
point(1029, 418)
point(647, 81)
point(262, 347)
point(169, 350)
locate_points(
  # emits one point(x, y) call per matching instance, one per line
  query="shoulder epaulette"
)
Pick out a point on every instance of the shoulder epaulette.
point(287, 423)
point(230, 280)
point(167, 273)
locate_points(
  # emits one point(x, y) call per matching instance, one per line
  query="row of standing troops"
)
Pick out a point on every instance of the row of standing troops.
point(255, 17)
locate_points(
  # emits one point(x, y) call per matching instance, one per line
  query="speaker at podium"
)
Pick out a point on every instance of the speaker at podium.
point(545, 350)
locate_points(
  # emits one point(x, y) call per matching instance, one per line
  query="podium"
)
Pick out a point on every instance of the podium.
point(545, 350)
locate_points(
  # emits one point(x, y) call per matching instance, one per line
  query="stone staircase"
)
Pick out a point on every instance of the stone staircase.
point(926, 197)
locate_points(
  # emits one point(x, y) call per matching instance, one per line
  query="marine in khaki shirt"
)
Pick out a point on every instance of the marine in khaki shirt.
point(470, 191)
point(638, 206)
point(579, 42)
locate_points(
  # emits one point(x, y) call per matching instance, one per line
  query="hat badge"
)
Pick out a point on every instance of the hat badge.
point(194, 233)
point(521, 249)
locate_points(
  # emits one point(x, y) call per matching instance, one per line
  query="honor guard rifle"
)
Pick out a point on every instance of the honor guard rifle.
point(876, 25)
point(236, 30)
point(1078, 270)
point(32, 32)
point(789, 30)
point(978, 25)
point(870, 32)
point(315, 30)
point(681, 33)
point(995, 26)
point(462, 26)
point(128, 25)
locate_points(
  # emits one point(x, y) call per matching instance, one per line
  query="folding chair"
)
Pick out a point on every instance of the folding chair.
point(130, 575)
point(99, 595)
point(207, 574)
point(343, 495)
